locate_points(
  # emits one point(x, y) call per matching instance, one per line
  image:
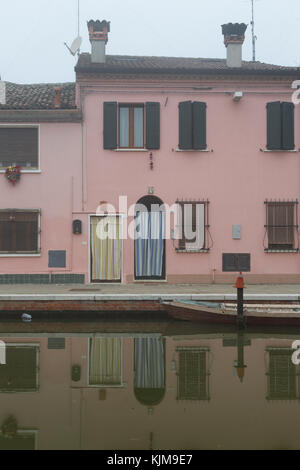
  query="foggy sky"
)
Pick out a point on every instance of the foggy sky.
point(32, 32)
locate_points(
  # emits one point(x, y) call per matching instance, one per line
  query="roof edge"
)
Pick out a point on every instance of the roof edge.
point(36, 115)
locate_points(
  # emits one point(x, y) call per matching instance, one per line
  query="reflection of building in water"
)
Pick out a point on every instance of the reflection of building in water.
point(126, 391)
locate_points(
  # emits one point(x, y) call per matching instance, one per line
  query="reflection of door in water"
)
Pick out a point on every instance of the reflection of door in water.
point(105, 249)
point(149, 360)
point(105, 361)
point(149, 239)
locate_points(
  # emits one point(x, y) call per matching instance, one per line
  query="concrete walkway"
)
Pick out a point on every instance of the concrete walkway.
point(150, 291)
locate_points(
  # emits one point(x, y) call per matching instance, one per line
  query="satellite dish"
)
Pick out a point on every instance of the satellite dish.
point(75, 47)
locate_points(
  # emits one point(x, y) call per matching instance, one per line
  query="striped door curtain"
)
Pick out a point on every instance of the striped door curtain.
point(149, 363)
point(106, 248)
point(149, 244)
point(105, 361)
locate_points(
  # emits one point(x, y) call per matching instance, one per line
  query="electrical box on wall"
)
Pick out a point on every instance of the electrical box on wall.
point(77, 227)
point(57, 259)
point(236, 232)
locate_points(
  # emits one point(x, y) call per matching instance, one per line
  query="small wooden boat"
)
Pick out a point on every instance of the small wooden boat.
point(259, 314)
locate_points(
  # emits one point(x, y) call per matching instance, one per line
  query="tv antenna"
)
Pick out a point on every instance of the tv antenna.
point(75, 46)
point(254, 38)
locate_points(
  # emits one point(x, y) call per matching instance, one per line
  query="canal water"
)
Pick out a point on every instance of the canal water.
point(142, 385)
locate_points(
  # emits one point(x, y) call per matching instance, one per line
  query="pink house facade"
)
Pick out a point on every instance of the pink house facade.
point(212, 143)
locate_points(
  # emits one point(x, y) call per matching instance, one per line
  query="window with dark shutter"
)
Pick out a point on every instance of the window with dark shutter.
point(19, 146)
point(281, 225)
point(19, 231)
point(131, 125)
point(192, 125)
point(280, 126)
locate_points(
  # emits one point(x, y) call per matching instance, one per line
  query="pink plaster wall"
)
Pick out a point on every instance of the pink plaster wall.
point(56, 191)
point(236, 177)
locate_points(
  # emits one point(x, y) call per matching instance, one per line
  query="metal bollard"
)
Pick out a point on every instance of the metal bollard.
point(240, 301)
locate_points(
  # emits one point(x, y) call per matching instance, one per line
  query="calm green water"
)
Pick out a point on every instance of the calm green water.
point(163, 385)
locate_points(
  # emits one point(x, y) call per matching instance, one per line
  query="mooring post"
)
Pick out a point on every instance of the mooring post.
point(240, 301)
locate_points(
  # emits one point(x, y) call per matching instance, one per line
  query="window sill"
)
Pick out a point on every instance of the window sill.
point(131, 150)
point(194, 150)
point(19, 255)
point(179, 250)
point(281, 251)
point(279, 151)
point(24, 171)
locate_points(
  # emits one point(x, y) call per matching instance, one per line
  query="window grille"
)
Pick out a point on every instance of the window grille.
point(281, 226)
point(192, 226)
point(282, 375)
point(193, 374)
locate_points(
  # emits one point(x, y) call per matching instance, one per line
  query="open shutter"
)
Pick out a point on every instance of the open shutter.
point(288, 140)
point(110, 126)
point(274, 126)
point(152, 126)
point(199, 125)
point(186, 125)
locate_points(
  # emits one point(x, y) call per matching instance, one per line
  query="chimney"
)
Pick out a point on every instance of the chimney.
point(57, 97)
point(98, 31)
point(2, 92)
point(234, 36)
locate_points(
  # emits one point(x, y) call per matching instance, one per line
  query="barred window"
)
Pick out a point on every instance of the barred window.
point(19, 231)
point(192, 377)
point(281, 225)
point(192, 229)
point(283, 378)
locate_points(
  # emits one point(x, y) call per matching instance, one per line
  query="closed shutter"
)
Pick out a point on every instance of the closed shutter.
point(199, 125)
point(20, 371)
point(281, 225)
point(288, 138)
point(19, 146)
point(110, 125)
point(152, 126)
point(186, 125)
point(274, 127)
point(19, 232)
